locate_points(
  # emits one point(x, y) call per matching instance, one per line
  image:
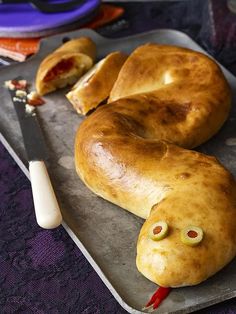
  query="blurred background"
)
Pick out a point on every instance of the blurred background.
point(211, 23)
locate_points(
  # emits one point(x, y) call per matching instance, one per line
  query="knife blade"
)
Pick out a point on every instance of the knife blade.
point(48, 214)
point(32, 135)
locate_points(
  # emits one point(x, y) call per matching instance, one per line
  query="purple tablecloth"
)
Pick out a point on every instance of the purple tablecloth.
point(43, 271)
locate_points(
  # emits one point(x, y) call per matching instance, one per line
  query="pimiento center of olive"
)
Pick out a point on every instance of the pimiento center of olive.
point(192, 234)
point(157, 229)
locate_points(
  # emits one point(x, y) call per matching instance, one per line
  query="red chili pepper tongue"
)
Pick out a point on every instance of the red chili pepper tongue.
point(163, 293)
point(158, 297)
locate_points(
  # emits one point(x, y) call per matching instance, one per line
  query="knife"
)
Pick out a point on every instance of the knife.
point(48, 214)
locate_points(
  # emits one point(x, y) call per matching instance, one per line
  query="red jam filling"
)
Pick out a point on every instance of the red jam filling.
point(62, 67)
point(21, 84)
point(36, 101)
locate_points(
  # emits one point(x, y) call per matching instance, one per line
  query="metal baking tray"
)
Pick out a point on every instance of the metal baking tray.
point(105, 233)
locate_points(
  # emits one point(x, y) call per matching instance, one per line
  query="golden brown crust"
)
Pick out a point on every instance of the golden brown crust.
point(95, 86)
point(191, 96)
point(123, 152)
point(81, 52)
point(84, 45)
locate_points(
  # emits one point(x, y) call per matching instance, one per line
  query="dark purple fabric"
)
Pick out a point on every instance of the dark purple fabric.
point(43, 271)
point(209, 22)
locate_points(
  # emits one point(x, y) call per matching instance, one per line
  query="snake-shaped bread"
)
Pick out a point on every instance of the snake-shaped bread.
point(132, 152)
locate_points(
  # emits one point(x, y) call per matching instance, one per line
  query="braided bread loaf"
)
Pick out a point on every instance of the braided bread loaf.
point(132, 152)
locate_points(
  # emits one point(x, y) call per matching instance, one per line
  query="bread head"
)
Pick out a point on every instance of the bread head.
point(203, 195)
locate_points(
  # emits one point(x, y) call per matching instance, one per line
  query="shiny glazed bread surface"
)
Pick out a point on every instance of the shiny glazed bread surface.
point(133, 152)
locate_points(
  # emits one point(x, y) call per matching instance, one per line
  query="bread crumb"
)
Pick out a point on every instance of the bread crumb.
point(29, 109)
point(21, 93)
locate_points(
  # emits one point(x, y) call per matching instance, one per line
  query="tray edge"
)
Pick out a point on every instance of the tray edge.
point(66, 227)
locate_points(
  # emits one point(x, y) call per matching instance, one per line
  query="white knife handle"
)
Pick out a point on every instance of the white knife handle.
point(48, 214)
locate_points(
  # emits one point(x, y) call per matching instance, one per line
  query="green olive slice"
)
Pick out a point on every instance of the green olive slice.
point(191, 235)
point(158, 231)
